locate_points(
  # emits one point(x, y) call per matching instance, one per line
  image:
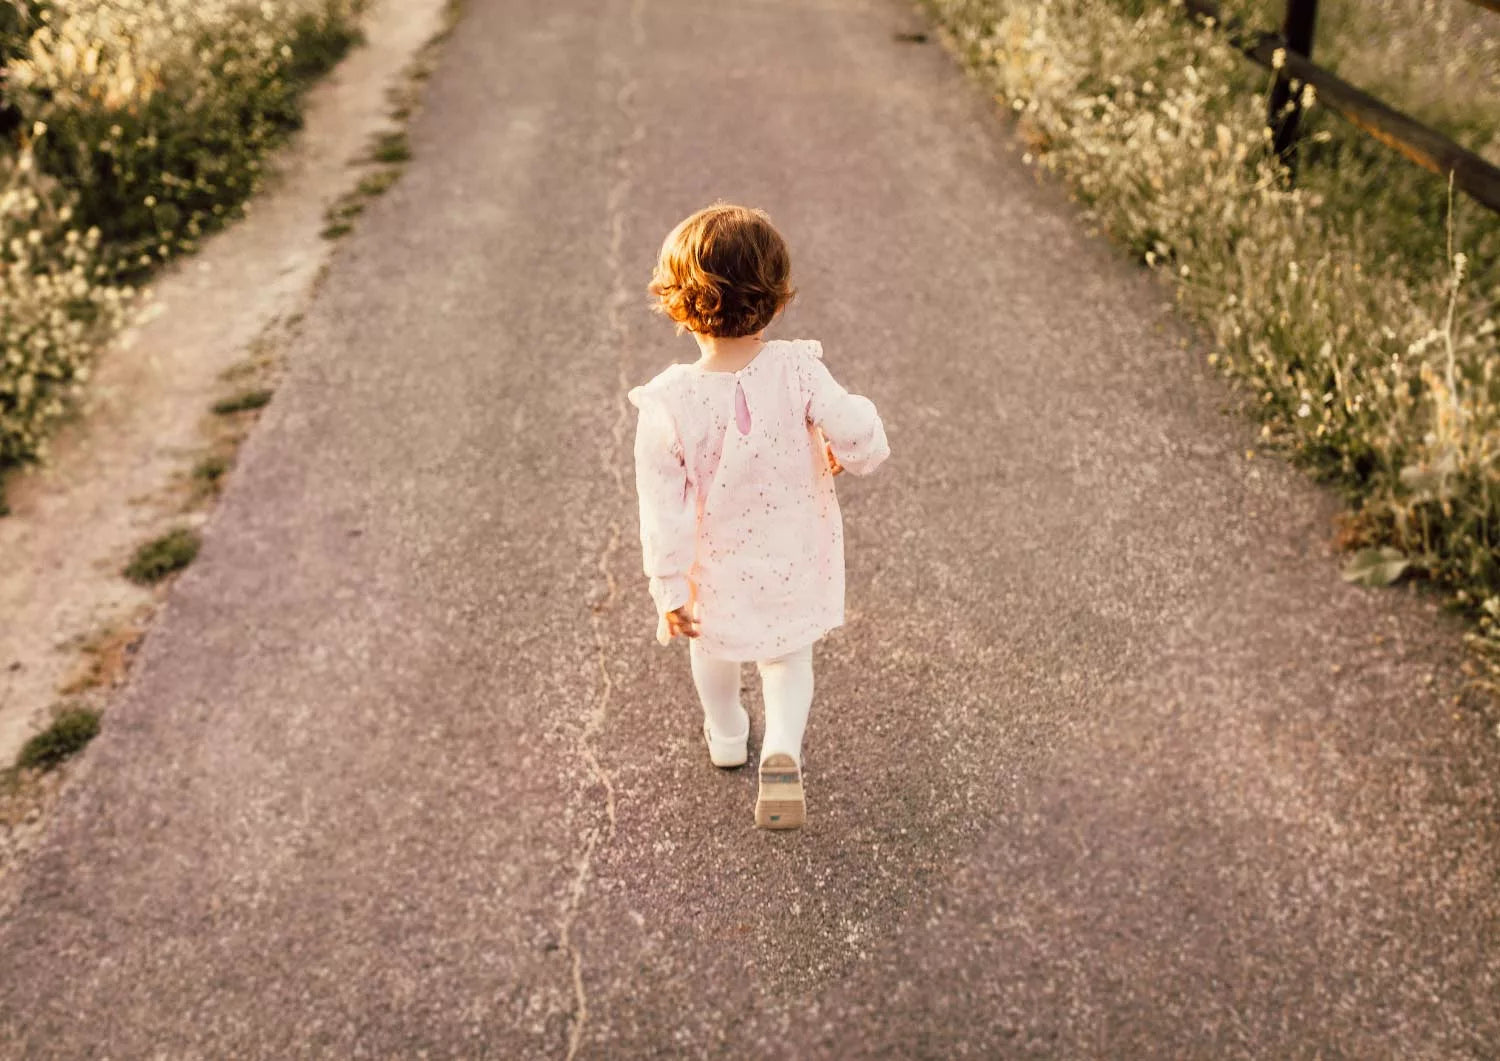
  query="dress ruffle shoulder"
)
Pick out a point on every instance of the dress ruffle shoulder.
point(656, 390)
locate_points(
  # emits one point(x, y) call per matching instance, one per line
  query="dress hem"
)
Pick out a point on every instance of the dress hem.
point(737, 654)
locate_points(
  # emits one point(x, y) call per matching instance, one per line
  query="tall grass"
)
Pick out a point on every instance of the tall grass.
point(1437, 60)
point(1356, 308)
point(128, 129)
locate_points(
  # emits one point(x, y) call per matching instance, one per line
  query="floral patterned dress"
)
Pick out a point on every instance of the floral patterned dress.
point(739, 515)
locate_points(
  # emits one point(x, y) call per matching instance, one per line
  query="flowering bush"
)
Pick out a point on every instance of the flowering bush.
point(53, 306)
point(159, 113)
point(128, 128)
point(1357, 307)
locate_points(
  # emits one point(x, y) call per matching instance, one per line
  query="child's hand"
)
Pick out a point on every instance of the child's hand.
point(680, 622)
point(833, 462)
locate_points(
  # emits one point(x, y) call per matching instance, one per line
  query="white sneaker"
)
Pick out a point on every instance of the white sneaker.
point(727, 751)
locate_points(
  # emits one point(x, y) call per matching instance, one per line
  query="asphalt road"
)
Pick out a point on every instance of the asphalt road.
point(1108, 761)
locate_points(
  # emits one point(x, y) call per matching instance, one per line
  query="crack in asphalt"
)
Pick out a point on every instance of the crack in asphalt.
point(610, 457)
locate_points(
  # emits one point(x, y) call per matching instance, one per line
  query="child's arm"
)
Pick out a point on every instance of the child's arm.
point(669, 519)
point(855, 436)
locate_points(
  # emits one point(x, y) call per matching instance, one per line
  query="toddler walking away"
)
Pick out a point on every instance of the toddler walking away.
point(735, 457)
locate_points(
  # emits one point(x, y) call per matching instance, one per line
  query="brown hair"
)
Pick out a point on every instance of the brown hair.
point(724, 271)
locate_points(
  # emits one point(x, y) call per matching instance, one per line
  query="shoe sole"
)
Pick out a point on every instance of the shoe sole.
point(780, 804)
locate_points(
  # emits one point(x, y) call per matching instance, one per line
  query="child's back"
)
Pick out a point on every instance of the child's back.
point(768, 563)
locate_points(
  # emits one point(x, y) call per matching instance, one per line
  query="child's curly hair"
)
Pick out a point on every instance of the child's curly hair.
point(724, 271)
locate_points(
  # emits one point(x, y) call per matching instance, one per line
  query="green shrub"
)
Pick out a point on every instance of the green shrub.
point(160, 113)
point(68, 734)
point(160, 557)
point(18, 20)
point(1367, 342)
point(54, 307)
point(128, 129)
point(164, 136)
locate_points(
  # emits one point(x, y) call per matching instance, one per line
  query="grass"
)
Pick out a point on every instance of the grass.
point(69, 733)
point(1356, 310)
point(107, 654)
point(245, 400)
point(258, 356)
point(161, 556)
point(209, 474)
point(1456, 91)
point(211, 470)
point(376, 183)
point(391, 146)
point(339, 218)
point(129, 130)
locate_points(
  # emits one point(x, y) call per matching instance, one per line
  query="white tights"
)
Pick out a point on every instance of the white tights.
point(787, 682)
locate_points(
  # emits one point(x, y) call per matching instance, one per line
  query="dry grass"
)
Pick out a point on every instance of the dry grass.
point(1356, 309)
point(107, 655)
point(1370, 43)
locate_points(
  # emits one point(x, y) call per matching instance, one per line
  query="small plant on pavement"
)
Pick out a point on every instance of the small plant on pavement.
point(244, 401)
point(68, 734)
point(391, 147)
point(160, 557)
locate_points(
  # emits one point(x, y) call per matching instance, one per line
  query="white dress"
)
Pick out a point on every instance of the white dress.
point(739, 515)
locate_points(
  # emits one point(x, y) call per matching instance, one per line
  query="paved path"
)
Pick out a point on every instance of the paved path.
point(1107, 763)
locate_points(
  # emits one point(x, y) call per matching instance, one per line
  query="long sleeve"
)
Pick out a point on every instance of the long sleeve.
point(848, 421)
point(669, 516)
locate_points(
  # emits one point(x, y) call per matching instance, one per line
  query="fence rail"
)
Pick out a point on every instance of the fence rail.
point(1420, 143)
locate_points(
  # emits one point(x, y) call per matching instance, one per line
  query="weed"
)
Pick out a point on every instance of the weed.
point(160, 557)
point(245, 400)
point(239, 370)
point(391, 146)
point(68, 734)
point(340, 216)
point(377, 183)
point(211, 469)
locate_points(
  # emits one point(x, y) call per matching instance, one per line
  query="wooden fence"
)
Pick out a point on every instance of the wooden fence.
point(1423, 145)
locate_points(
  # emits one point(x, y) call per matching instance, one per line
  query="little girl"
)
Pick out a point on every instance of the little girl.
point(735, 457)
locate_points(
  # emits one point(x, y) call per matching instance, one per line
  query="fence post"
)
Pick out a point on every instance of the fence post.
point(1297, 36)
